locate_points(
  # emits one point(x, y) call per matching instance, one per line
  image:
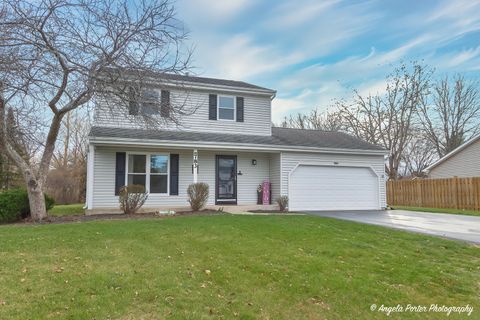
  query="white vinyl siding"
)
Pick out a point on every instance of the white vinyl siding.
point(257, 114)
point(466, 163)
point(275, 165)
point(252, 176)
point(290, 160)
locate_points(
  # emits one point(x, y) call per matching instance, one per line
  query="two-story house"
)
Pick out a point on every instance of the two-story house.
point(230, 144)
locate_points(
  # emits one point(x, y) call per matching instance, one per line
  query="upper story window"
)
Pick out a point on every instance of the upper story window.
point(150, 102)
point(226, 108)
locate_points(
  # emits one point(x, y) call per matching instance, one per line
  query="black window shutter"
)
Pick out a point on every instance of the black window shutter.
point(165, 104)
point(212, 107)
point(132, 101)
point(119, 171)
point(174, 174)
point(240, 109)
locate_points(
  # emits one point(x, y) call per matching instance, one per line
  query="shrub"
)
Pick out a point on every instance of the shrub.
point(14, 205)
point(282, 202)
point(49, 202)
point(197, 195)
point(132, 198)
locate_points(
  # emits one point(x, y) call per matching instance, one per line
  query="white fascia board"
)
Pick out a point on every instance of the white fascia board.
point(199, 86)
point(207, 86)
point(226, 146)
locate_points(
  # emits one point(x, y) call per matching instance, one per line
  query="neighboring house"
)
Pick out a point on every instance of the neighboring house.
point(237, 149)
point(463, 161)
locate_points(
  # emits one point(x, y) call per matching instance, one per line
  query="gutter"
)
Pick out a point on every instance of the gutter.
point(273, 95)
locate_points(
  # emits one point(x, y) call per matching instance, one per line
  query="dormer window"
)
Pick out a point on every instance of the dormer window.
point(226, 108)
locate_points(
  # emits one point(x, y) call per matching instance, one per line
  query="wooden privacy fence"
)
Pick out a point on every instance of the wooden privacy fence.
point(454, 193)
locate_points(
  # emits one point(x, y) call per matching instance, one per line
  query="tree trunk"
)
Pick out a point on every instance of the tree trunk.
point(36, 198)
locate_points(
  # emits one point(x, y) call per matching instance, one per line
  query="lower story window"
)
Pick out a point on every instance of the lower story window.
point(158, 173)
point(150, 171)
point(137, 173)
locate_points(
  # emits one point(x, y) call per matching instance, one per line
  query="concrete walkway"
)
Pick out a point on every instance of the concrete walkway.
point(452, 226)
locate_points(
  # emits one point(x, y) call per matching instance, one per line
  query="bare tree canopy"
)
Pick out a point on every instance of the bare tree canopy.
point(55, 53)
point(389, 120)
point(66, 181)
point(452, 115)
point(417, 119)
point(418, 155)
point(9, 174)
point(316, 120)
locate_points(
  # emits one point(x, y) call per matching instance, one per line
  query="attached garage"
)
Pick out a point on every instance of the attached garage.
point(317, 187)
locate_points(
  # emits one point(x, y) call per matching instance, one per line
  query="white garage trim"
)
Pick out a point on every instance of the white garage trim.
point(329, 164)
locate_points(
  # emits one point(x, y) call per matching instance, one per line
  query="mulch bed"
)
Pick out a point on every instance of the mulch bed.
point(273, 211)
point(137, 216)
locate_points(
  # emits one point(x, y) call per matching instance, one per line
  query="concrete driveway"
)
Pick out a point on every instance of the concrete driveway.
point(452, 226)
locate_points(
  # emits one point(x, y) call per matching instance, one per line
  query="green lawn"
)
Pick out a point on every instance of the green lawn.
point(67, 209)
point(440, 210)
point(259, 267)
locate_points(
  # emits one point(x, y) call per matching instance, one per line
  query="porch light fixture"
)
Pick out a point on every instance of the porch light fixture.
point(254, 162)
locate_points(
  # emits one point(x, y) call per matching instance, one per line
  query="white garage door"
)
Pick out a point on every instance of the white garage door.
point(333, 188)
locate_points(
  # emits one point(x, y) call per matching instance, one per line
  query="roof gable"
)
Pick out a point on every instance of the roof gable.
point(454, 152)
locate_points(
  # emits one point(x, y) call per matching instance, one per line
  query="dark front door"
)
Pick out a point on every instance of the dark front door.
point(226, 180)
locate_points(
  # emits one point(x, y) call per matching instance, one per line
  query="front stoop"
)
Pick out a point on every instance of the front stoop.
point(236, 209)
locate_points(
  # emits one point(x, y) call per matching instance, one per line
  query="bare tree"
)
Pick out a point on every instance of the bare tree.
point(56, 55)
point(315, 120)
point(328, 121)
point(419, 154)
point(298, 121)
point(452, 116)
point(364, 118)
point(66, 179)
point(9, 173)
point(388, 120)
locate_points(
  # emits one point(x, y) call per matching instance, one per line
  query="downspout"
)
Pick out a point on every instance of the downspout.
point(273, 95)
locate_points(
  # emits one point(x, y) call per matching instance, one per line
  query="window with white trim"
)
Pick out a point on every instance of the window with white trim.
point(226, 108)
point(158, 173)
point(150, 171)
point(137, 173)
point(150, 102)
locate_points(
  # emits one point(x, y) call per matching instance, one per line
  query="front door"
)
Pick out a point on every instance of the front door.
point(226, 180)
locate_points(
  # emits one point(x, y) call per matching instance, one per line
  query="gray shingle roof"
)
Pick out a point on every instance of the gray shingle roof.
point(214, 81)
point(186, 79)
point(321, 139)
point(280, 137)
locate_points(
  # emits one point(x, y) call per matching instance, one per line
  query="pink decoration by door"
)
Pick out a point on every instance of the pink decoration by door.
point(266, 192)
